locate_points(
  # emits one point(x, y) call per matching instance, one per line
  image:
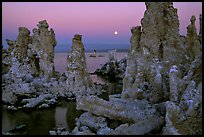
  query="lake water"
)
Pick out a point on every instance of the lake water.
point(92, 62)
point(39, 122)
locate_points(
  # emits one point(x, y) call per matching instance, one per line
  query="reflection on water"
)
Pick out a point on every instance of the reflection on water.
point(60, 116)
point(39, 122)
point(65, 115)
point(93, 63)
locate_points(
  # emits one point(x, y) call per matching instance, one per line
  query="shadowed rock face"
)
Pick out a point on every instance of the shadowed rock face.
point(5, 61)
point(200, 19)
point(200, 32)
point(22, 42)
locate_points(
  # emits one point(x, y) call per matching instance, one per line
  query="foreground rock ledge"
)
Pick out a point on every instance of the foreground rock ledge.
point(136, 112)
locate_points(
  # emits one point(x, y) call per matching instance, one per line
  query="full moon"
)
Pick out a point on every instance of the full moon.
point(115, 32)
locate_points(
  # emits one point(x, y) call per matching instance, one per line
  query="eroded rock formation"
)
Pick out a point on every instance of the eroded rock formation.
point(42, 48)
point(36, 51)
point(5, 61)
point(21, 44)
point(30, 59)
point(134, 66)
point(136, 114)
point(119, 109)
point(163, 70)
point(78, 78)
point(192, 40)
point(200, 19)
point(157, 47)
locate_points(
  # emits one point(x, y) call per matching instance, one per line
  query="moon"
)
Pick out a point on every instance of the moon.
point(116, 33)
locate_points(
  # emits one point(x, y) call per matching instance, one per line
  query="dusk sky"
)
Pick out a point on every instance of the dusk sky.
point(96, 21)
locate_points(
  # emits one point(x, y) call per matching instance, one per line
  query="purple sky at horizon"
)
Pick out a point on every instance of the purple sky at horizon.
point(96, 21)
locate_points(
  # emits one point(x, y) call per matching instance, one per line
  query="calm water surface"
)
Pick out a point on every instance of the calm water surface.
point(39, 122)
point(92, 62)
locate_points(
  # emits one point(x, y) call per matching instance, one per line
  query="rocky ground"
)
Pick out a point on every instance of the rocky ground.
point(32, 82)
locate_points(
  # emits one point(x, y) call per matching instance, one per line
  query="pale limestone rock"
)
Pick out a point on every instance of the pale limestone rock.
point(116, 108)
point(162, 62)
point(160, 37)
point(185, 101)
point(192, 41)
point(19, 73)
point(82, 131)
point(173, 83)
point(91, 121)
point(191, 98)
point(183, 122)
point(58, 131)
point(172, 113)
point(36, 51)
point(160, 32)
point(155, 47)
point(11, 91)
point(104, 131)
point(34, 102)
point(42, 48)
point(28, 57)
point(132, 64)
point(139, 128)
point(134, 74)
point(78, 78)
point(139, 113)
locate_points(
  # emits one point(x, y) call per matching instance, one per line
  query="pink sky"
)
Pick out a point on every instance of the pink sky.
point(95, 21)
